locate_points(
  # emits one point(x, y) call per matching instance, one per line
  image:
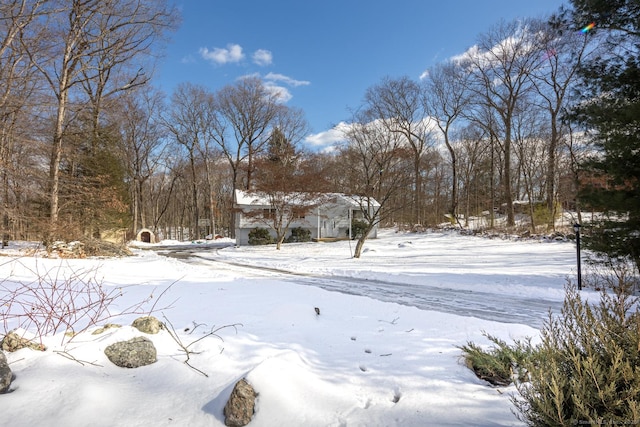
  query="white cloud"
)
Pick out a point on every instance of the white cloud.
point(520, 43)
point(275, 77)
point(327, 140)
point(277, 84)
point(231, 54)
point(262, 57)
point(282, 93)
point(249, 76)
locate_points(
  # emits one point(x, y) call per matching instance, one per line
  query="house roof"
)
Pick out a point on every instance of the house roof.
point(354, 200)
point(248, 198)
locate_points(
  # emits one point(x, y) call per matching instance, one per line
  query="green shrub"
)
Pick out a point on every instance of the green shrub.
point(260, 236)
point(586, 369)
point(298, 235)
point(358, 228)
point(499, 364)
point(541, 214)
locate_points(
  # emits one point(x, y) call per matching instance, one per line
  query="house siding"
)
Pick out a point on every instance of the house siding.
point(329, 220)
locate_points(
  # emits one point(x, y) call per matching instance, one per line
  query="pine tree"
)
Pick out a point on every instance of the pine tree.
point(93, 190)
point(610, 111)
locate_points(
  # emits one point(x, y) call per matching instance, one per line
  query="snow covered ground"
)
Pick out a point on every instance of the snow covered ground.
point(364, 361)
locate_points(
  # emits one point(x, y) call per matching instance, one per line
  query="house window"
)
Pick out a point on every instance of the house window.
point(299, 213)
point(268, 213)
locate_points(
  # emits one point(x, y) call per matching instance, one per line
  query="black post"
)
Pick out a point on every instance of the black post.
point(576, 227)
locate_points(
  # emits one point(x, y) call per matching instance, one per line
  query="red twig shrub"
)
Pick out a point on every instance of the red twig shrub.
point(59, 299)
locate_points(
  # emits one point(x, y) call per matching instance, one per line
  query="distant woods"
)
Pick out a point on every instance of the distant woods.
point(66, 67)
point(88, 148)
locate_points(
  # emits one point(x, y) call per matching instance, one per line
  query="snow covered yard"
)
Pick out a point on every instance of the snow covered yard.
point(361, 362)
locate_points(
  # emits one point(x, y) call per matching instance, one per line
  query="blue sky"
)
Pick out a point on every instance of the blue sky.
point(323, 55)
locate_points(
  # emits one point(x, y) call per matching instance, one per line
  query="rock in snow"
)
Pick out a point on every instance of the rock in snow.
point(134, 353)
point(5, 373)
point(148, 325)
point(239, 408)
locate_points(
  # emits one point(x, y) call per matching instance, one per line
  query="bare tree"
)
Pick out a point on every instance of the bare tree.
point(74, 45)
point(193, 112)
point(500, 66)
point(291, 123)
point(246, 115)
point(376, 153)
point(285, 176)
point(162, 191)
point(399, 106)
point(121, 34)
point(561, 52)
point(249, 109)
point(17, 84)
point(16, 15)
point(142, 147)
point(212, 158)
point(471, 149)
point(530, 136)
point(446, 98)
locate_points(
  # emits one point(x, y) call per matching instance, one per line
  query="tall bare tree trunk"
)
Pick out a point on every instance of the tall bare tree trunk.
point(508, 192)
point(56, 157)
point(551, 171)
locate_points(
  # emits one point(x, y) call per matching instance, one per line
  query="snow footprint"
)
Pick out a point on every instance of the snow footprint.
point(397, 395)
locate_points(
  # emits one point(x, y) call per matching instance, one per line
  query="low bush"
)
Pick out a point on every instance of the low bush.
point(260, 236)
point(61, 299)
point(585, 369)
point(358, 228)
point(299, 235)
point(499, 365)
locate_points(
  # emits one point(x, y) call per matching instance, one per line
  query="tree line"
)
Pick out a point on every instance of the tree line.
point(88, 146)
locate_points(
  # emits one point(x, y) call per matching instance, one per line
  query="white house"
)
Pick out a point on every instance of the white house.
point(329, 218)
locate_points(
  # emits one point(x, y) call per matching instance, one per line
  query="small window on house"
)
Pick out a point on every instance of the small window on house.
point(299, 213)
point(267, 213)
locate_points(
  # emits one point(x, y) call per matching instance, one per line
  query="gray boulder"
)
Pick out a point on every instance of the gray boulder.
point(240, 407)
point(14, 342)
point(148, 325)
point(5, 374)
point(134, 353)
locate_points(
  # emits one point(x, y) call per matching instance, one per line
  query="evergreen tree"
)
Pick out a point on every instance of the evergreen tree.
point(610, 112)
point(93, 191)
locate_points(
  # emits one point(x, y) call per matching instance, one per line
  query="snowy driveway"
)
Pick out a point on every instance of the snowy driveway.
point(504, 281)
